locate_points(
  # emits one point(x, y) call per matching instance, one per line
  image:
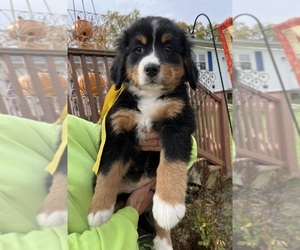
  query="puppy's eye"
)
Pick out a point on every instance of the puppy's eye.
point(169, 49)
point(139, 50)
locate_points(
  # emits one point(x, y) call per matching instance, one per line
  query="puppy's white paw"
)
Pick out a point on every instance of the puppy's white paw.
point(167, 215)
point(161, 244)
point(98, 218)
point(52, 219)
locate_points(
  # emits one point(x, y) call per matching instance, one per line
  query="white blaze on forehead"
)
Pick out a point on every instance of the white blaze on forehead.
point(155, 24)
point(151, 58)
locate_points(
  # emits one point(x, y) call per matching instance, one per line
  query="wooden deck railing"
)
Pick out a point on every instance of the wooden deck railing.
point(88, 70)
point(263, 129)
point(212, 132)
point(27, 89)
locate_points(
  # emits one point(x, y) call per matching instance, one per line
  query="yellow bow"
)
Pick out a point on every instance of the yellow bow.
point(110, 99)
point(52, 166)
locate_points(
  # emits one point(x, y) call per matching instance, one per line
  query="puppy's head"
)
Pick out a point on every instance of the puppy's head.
point(154, 54)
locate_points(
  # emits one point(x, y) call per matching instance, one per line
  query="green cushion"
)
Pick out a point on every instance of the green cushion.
point(26, 147)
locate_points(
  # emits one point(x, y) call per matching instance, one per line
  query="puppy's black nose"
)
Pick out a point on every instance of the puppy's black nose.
point(152, 69)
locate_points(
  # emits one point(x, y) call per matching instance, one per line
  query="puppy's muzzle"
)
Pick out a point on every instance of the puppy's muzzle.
point(152, 69)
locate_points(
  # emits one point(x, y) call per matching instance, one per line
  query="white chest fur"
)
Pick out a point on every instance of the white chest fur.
point(148, 106)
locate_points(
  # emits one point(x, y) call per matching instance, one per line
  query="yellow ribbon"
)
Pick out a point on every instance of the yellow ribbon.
point(52, 166)
point(110, 99)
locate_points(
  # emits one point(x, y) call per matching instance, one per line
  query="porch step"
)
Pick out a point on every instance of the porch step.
point(260, 178)
point(265, 168)
point(213, 173)
point(213, 168)
point(260, 167)
point(201, 159)
point(242, 159)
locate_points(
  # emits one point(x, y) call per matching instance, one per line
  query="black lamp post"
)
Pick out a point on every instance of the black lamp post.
point(218, 62)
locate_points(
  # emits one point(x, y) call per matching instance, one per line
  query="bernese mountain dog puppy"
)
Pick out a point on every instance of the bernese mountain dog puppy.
point(154, 63)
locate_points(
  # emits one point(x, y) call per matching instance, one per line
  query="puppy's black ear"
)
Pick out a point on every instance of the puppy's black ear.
point(191, 70)
point(117, 71)
point(118, 68)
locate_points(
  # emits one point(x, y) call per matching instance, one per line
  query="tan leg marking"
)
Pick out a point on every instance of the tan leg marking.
point(169, 110)
point(124, 120)
point(56, 199)
point(171, 180)
point(107, 187)
point(53, 211)
point(169, 198)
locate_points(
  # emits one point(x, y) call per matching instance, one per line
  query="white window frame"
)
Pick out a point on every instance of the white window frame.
point(245, 61)
point(201, 61)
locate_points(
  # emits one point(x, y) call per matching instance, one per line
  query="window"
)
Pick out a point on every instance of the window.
point(201, 63)
point(244, 62)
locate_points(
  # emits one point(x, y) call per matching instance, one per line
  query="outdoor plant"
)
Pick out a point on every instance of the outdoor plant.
point(267, 217)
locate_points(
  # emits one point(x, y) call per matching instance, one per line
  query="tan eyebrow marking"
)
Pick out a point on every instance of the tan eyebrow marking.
point(166, 37)
point(142, 39)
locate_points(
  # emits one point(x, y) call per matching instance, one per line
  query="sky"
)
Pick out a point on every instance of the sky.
point(56, 6)
point(178, 10)
point(268, 11)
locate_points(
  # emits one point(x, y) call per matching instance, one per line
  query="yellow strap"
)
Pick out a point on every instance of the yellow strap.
point(63, 115)
point(110, 99)
point(52, 166)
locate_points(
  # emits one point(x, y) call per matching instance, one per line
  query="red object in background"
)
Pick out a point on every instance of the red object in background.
point(225, 33)
point(288, 34)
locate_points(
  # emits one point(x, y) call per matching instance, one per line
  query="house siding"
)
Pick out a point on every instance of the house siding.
point(263, 69)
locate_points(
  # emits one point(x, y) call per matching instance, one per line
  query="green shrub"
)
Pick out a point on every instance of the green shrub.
point(268, 217)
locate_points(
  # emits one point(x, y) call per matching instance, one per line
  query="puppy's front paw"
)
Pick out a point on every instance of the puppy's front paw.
point(54, 209)
point(98, 218)
point(51, 219)
point(161, 244)
point(167, 215)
